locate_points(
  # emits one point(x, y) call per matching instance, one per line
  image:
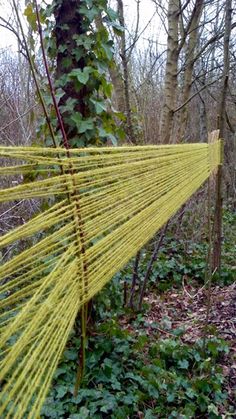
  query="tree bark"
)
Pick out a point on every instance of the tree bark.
point(222, 128)
point(203, 120)
point(170, 89)
point(68, 24)
point(124, 60)
point(116, 78)
point(189, 64)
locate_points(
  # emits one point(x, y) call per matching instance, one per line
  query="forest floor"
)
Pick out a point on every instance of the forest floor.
point(164, 361)
point(186, 309)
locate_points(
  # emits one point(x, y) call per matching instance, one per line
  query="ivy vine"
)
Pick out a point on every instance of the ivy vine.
point(80, 55)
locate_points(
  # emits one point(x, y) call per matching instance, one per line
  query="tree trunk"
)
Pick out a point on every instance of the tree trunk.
point(203, 121)
point(68, 25)
point(170, 89)
point(124, 60)
point(189, 64)
point(222, 128)
point(116, 78)
point(222, 105)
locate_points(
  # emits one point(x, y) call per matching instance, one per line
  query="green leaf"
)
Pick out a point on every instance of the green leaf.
point(31, 17)
point(61, 391)
point(184, 364)
point(100, 106)
point(86, 125)
point(69, 107)
point(107, 88)
point(84, 41)
point(212, 408)
point(83, 413)
point(81, 75)
point(102, 133)
point(190, 393)
point(62, 48)
point(78, 53)
point(89, 13)
point(115, 385)
point(171, 397)
point(66, 62)
point(60, 371)
point(76, 117)
point(102, 69)
point(112, 14)
point(108, 48)
point(149, 414)
point(113, 139)
point(71, 354)
point(130, 399)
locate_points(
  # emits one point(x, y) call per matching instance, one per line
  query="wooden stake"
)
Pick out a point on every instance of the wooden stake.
point(216, 183)
point(217, 244)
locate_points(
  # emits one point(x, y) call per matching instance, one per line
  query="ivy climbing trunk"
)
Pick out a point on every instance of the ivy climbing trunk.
point(69, 25)
point(84, 55)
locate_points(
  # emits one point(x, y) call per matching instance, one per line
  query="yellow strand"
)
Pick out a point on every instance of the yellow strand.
point(125, 195)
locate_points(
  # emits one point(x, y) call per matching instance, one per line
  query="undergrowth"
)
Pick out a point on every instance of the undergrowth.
point(127, 376)
point(130, 374)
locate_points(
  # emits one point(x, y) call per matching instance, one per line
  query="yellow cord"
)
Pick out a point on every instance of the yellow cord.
point(125, 195)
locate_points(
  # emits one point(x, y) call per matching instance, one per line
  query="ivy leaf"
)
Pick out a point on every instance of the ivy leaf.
point(62, 48)
point(86, 125)
point(84, 41)
point(69, 107)
point(78, 53)
point(184, 364)
point(107, 88)
point(59, 94)
point(61, 391)
point(81, 75)
point(76, 117)
point(102, 133)
point(190, 393)
point(170, 397)
point(118, 29)
point(77, 142)
point(112, 14)
point(149, 414)
point(100, 106)
point(113, 139)
point(108, 48)
point(89, 13)
point(111, 20)
point(66, 62)
point(31, 17)
point(83, 413)
point(213, 409)
point(101, 66)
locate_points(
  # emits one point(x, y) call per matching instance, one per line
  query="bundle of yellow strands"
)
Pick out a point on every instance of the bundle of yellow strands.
point(106, 204)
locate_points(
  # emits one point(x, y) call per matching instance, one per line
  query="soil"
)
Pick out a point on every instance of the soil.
point(187, 309)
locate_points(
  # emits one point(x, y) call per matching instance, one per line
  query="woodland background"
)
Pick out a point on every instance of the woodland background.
point(161, 334)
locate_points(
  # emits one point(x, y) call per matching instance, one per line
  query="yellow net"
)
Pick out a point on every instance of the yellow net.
point(105, 204)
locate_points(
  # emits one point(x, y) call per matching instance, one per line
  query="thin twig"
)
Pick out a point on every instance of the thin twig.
point(65, 140)
point(78, 217)
point(134, 279)
point(34, 75)
point(152, 260)
point(17, 119)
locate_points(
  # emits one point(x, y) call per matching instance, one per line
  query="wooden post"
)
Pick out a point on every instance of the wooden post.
point(217, 239)
point(216, 183)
